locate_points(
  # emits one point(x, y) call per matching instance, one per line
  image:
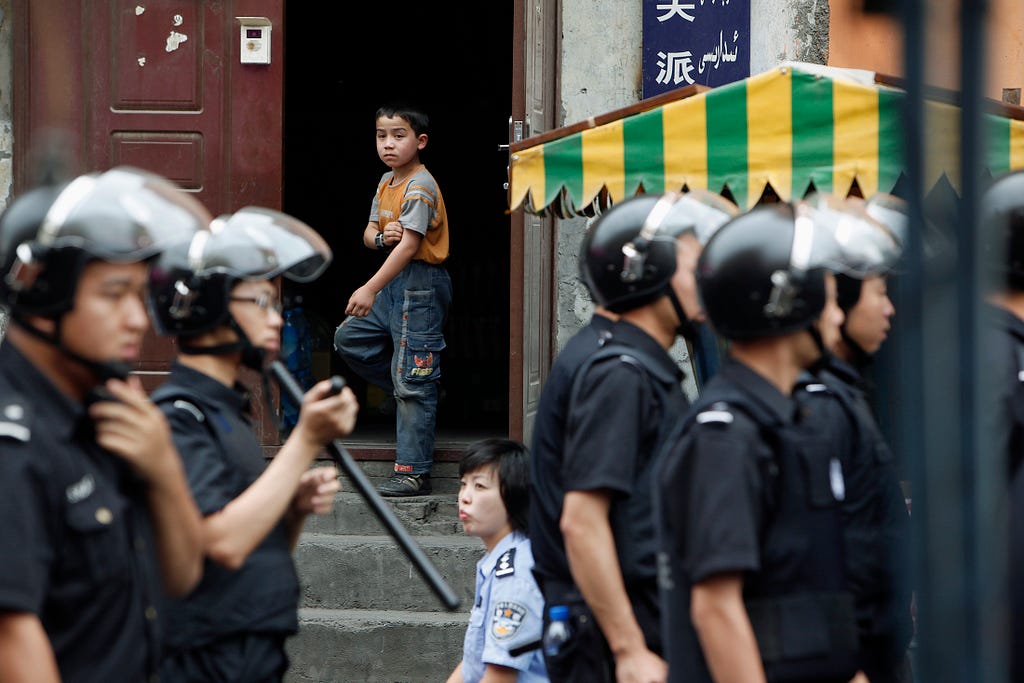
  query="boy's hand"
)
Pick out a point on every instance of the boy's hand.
point(361, 301)
point(393, 233)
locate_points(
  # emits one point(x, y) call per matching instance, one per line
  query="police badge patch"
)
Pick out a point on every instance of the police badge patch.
point(506, 620)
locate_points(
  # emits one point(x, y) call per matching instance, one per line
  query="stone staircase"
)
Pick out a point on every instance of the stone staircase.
point(367, 616)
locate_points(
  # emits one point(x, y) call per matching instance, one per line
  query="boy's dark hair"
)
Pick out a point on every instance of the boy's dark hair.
point(418, 121)
point(512, 461)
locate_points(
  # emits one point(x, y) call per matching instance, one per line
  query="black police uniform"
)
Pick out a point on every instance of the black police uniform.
point(77, 542)
point(739, 489)
point(549, 440)
point(1006, 351)
point(232, 627)
point(875, 519)
point(612, 430)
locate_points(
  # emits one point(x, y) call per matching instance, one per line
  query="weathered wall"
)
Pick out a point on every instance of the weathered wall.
point(875, 42)
point(6, 111)
point(6, 116)
point(601, 55)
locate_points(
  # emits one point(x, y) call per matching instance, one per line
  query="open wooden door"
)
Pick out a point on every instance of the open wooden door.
point(159, 85)
point(533, 238)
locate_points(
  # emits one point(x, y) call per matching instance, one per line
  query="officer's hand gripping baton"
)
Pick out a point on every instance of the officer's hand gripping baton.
point(384, 512)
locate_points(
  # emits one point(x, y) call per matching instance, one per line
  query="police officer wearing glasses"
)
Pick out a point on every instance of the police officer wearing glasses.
point(98, 520)
point(219, 296)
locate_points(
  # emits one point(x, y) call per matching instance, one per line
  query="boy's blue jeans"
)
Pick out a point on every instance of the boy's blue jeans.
point(398, 347)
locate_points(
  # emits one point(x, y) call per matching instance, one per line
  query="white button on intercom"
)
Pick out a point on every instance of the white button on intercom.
point(255, 36)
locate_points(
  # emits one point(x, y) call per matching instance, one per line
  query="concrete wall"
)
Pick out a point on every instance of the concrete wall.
point(601, 54)
point(875, 42)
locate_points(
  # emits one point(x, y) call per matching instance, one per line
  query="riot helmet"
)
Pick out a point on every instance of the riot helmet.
point(1002, 226)
point(50, 233)
point(869, 233)
point(628, 256)
point(763, 273)
point(701, 212)
point(190, 285)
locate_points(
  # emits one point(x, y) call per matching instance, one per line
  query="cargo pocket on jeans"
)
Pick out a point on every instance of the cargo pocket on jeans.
point(422, 358)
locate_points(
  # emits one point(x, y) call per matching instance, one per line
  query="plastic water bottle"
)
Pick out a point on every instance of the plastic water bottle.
point(298, 358)
point(558, 631)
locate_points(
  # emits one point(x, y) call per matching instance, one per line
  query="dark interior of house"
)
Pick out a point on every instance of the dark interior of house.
point(343, 61)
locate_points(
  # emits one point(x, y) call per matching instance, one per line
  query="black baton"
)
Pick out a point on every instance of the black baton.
point(384, 512)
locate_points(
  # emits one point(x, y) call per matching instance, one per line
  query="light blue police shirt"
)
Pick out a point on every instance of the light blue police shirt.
point(507, 613)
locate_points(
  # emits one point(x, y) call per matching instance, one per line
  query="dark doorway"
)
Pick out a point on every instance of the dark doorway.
point(343, 60)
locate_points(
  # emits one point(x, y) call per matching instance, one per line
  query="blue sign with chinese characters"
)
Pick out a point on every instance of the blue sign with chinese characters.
point(706, 42)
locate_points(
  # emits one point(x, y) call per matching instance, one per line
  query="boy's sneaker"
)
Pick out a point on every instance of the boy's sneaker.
point(405, 485)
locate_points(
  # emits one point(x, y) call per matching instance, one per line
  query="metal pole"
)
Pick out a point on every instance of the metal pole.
point(957, 480)
point(384, 513)
point(986, 590)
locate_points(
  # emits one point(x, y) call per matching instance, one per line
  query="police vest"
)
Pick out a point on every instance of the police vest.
point(1016, 455)
point(877, 524)
point(262, 595)
point(802, 617)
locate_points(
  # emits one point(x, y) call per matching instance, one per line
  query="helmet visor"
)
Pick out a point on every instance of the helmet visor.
point(124, 214)
point(864, 246)
point(259, 244)
point(701, 211)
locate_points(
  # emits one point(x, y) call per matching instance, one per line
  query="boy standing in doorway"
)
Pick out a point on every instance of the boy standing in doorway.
point(393, 335)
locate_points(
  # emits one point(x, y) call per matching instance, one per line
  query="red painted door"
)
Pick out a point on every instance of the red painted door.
point(157, 84)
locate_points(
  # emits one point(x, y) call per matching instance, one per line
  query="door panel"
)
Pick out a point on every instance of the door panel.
point(533, 237)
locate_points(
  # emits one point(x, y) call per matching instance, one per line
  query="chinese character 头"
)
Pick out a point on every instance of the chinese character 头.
point(673, 8)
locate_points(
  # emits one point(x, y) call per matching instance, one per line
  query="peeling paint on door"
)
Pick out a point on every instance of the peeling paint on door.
point(174, 40)
point(139, 9)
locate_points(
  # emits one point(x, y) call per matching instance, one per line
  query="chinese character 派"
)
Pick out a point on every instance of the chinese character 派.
point(674, 67)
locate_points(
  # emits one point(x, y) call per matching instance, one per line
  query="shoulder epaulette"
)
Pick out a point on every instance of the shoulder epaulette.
point(506, 565)
point(717, 413)
point(192, 408)
point(14, 421)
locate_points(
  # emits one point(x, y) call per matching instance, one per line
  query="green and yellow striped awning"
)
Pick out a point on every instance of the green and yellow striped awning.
point(788, 127)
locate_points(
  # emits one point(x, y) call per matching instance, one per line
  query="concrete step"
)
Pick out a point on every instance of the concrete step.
point(444, 476)
point(366, 646)
point(372, 572)
point(434, 515)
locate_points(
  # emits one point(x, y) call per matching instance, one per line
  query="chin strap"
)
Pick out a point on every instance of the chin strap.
point(822, 351)
point(686, 328)
point(253, 358)
point(861, 358)
point(103, 370)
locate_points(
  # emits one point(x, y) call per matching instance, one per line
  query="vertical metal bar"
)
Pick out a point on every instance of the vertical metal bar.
point(986, 591)
point(957, 477)
point(910, 425)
